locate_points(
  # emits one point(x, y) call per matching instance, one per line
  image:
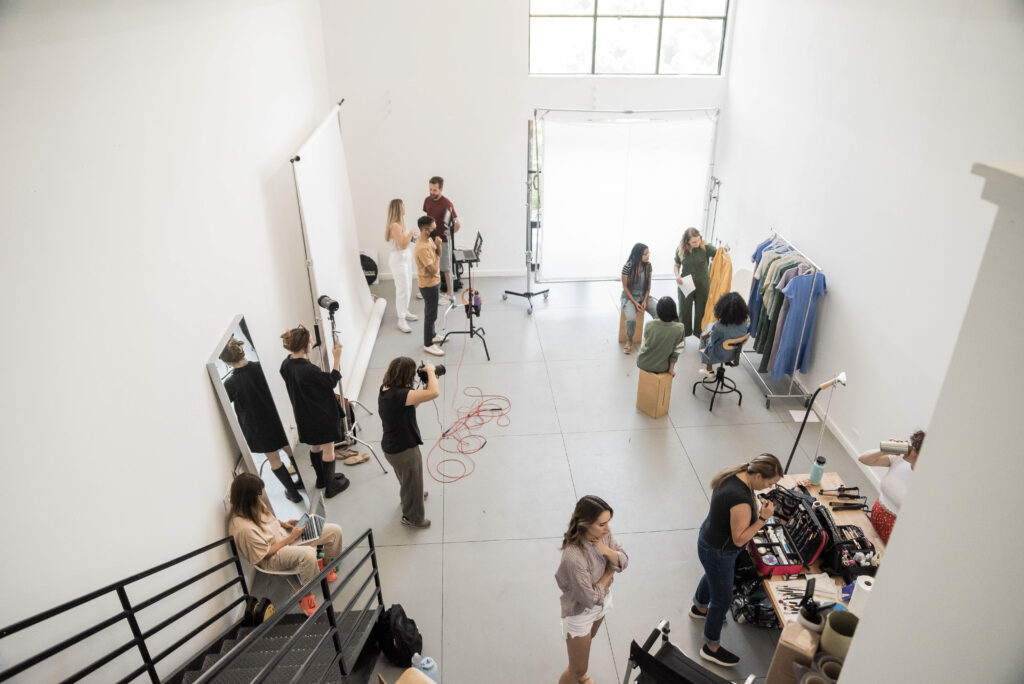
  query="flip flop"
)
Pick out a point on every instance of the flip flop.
point(357, 459)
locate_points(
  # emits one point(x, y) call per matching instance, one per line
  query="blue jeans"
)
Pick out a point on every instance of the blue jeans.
point(630, 311)
point(714, 592)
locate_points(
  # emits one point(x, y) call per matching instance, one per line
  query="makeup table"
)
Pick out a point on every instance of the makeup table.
point(829, 481)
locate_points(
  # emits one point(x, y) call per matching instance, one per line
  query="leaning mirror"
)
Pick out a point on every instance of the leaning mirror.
point(241, 385)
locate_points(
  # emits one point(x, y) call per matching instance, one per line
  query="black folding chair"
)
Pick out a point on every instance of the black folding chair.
point(669, 665)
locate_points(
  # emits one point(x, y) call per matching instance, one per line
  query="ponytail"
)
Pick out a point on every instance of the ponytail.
point(765, 465)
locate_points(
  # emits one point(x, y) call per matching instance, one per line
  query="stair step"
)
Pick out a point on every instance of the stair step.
point(280, 675)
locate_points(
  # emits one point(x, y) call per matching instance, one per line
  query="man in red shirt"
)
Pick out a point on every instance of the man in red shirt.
point(441, 209)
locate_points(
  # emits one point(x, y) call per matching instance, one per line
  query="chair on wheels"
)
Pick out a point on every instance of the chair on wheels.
point(669, 665)
point(720, 384)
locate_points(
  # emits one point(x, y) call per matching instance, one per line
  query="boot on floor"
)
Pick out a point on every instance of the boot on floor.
point(336, 484)
point(290, 492)
point(317, 459)
point(299, 484)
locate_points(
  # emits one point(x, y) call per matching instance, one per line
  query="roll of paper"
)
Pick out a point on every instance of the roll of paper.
point(828, 665)
point(861, 594)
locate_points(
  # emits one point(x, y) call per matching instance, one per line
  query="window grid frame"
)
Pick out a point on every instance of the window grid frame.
point(661, 17)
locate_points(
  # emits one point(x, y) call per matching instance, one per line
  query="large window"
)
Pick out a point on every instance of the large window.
point(627, 36)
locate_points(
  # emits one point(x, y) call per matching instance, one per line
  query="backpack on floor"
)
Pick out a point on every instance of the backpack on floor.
point(397, 636)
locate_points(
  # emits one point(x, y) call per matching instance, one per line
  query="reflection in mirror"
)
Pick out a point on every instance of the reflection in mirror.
point(249, 407)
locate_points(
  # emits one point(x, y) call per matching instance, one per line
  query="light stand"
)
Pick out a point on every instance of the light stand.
point(473, 330)
point(532, 185)
point(839, 379)
point(341, 393)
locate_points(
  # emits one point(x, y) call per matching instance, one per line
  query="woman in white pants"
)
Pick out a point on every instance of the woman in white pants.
point(400, 260)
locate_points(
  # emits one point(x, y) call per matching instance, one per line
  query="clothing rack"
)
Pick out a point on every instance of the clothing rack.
point(793, 382)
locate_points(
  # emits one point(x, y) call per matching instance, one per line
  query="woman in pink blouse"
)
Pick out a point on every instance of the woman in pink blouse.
point(590, 556)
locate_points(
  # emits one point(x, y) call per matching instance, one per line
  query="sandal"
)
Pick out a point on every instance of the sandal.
point(357, 459)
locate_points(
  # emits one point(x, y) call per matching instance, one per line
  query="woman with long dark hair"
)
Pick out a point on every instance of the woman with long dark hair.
point(401, 440)
point(590, 557)
point(733, 520)
point(269, 543)
point(636, 290)
point(249, 394)
point(316, 409)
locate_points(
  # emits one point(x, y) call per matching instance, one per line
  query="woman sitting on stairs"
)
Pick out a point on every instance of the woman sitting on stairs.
point(270, 544)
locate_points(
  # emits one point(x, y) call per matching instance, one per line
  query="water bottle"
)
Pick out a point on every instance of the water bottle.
point(426, 665)
point(817, 470)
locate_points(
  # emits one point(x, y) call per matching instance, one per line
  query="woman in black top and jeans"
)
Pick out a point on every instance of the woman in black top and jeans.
point(317, 413)
point(397, 404)
point(733, 520)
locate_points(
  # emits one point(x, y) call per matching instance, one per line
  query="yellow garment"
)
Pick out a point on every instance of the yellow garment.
point(721, 282)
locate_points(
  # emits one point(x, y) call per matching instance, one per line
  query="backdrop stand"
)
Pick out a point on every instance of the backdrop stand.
point(532, 180)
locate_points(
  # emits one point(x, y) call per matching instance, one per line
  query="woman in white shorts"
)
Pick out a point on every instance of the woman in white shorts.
point(590, 557)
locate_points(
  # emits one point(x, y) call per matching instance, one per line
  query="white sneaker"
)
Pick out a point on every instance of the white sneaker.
point(404, 327)
point(705, 373)
point(434, 349)
point(419, 295)
point(411, 317)
point(438, 339)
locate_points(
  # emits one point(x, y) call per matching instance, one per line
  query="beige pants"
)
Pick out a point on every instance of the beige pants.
point(301, 558)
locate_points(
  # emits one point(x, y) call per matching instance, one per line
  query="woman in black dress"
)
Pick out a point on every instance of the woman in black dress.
point(254, 405)
point(316, 409)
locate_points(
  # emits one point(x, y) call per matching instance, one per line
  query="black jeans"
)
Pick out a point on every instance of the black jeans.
point(429, 313)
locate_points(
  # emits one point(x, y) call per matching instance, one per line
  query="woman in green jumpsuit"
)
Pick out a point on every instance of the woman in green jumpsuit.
point(692, 258)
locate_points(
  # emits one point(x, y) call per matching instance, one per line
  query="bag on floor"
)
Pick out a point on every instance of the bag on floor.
point(751, 605)
point(397, 636)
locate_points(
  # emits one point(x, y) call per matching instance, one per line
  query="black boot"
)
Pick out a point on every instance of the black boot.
point(316, 458)
point(336, 484)
point(299, 484)
point(290, 492)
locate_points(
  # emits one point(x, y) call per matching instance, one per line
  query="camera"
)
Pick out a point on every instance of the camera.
point(422, 372)
point(328, 303)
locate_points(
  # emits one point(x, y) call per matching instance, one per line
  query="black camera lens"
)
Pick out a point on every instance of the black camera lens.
point(422, 372)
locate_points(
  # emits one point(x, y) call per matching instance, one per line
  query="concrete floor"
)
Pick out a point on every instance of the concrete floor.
point(480, 581)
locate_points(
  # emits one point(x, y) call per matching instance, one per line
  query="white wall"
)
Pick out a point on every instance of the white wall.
point(146, 199)
point(442, 88)
point(959, 615)
point(852, 128)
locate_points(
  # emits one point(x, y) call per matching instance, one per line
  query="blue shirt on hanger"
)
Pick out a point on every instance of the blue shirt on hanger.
point(802, 292)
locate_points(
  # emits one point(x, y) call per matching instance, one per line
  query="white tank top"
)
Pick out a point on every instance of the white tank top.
point(893, 488)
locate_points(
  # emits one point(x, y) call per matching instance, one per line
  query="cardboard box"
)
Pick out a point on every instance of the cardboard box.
point(796, 645)
point(653, 391)
point(638, 336)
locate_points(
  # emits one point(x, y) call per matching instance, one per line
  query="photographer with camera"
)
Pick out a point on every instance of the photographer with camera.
point(401, 441)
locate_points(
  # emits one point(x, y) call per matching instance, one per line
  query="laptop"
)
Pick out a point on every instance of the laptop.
point(313, 530)
point(471, 256)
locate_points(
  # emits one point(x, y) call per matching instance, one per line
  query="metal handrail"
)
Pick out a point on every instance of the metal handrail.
point(326, 608)
point(128, 614)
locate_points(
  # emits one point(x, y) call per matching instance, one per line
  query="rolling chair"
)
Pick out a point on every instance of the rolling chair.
point(720, 384)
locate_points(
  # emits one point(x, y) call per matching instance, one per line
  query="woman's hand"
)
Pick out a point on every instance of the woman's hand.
point(288, 526)
point(639, 307)
point(679, 280)
point(767, 509)
point(429, 367)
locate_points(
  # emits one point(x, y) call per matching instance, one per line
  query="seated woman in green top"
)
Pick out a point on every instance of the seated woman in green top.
point(663, 339)
point(692, 258)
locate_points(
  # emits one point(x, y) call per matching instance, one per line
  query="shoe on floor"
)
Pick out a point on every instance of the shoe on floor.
point(438, 339)
point(345, 452)
point(308, 605)
point(719, 657)
point(411, 317)
point(705, 373)
point(357, 459)
point(332, 576)
point(434, 349)
point(409, 523)
point(404, 327)
point(697, 615)
point(419, 295)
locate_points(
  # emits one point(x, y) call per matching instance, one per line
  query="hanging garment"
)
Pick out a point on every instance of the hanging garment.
point(770, 254)
point(721, 282)
point(772, 303)
point(802, 269)
point(768, 338)
point(794, 349)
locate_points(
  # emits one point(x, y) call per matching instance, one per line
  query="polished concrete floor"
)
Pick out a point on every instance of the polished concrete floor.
point(480, 581)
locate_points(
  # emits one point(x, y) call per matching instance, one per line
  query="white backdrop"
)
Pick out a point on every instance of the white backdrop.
point(329, 225)
point(608, 184)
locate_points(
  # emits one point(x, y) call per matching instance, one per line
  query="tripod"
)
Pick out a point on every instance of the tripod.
point(532, 186)
point(349, 432)
point(473, 330)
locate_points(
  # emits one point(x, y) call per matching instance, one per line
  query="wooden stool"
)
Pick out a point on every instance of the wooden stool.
point(638, 334)
point(653, 392)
